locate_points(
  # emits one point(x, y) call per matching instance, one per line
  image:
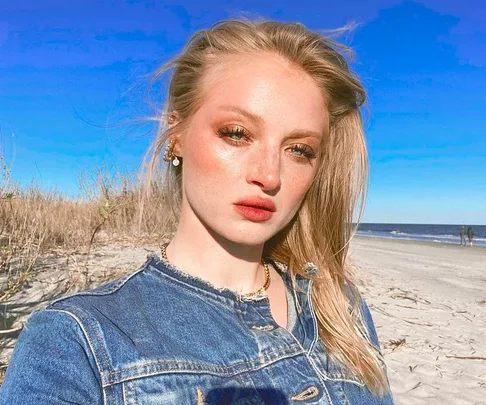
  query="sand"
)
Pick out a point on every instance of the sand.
point(429, 305)
point(428, 301)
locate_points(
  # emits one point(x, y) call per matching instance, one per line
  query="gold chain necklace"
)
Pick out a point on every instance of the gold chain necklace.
point(261, 290)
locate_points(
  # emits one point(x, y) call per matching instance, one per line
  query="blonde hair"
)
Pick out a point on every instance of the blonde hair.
point(321, 231)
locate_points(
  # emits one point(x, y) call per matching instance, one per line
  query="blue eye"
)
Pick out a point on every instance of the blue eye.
point(235, 133)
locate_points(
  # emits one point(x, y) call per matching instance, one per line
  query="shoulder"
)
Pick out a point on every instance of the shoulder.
point(98, 309)
point(53, 362)
point(123, 303)
point(115, 290)
point(80, 320)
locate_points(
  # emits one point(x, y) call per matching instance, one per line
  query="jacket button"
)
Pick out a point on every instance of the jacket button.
point(308, 393)
point(264, 328)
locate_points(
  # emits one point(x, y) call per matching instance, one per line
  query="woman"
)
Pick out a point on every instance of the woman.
point(251, 301)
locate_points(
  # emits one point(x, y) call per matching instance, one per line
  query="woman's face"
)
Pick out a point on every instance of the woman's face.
point(255, 140)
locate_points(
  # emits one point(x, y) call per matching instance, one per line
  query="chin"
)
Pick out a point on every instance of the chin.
point(250, 234)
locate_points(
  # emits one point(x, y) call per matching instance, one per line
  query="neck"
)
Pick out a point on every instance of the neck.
point(200, 252)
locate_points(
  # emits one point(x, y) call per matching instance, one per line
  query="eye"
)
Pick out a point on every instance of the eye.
point(234, 134)
point(303, 151)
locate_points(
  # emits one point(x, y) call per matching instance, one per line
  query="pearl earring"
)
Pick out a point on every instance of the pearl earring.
point(169, 154)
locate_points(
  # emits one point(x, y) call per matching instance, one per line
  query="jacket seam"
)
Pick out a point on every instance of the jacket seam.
point(324, 376)
point(366, 326)
point(222, 372)
point(90, 344)
point(313, 315)
point(315, 369)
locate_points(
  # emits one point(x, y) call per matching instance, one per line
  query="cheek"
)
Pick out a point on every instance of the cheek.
point(209, 163)
point(201, 158)
point(299, 183)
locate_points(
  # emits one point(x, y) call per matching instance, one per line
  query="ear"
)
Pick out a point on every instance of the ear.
point(177, 149)
point(172, 120)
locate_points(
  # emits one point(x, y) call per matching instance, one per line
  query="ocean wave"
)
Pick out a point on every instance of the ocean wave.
point(397, 232)
point(449, 236)
point(446, 236)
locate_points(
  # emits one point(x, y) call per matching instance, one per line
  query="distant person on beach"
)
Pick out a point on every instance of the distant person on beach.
point(470, 235)
point(462, 233)
point(251, 300)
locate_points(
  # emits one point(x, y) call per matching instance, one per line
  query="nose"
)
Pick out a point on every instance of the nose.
point(265, 169)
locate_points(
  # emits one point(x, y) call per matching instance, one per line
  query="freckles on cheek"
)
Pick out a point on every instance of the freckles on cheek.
point(300, 183)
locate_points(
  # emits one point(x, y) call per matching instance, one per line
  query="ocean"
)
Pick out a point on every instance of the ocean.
point(432, 233)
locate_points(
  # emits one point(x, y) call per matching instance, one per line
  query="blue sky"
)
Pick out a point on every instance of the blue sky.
point(71, 71)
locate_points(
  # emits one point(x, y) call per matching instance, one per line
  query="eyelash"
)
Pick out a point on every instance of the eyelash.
point(304, 151)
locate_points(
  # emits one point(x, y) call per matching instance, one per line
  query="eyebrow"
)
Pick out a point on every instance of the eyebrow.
point(257, 120)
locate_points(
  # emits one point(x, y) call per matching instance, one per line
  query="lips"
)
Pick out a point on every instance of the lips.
point(255, 209)
point(258, 203)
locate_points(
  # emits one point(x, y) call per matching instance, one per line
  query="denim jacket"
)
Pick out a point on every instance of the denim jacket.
point(159, 336)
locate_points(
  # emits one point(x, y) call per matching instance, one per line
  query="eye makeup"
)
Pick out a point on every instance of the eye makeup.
point(237, 135)
point(233, 132)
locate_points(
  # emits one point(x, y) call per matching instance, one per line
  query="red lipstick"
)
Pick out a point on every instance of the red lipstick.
point(256, 209)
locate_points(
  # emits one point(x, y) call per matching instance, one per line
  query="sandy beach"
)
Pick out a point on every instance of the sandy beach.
point(428, 301)
point(429, 305)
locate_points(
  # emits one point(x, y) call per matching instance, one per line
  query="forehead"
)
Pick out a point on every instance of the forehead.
point(267, 85)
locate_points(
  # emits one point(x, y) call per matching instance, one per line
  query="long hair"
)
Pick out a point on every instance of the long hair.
point(321, 230)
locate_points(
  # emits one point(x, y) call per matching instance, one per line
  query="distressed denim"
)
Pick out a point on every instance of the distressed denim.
point(159, 336)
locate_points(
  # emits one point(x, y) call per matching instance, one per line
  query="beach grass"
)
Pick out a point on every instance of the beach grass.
point(35, 221)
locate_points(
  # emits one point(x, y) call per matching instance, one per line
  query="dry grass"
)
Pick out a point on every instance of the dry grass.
point(34, 221)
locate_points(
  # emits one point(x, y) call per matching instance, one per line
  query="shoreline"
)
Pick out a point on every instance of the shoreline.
point(420, 242)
